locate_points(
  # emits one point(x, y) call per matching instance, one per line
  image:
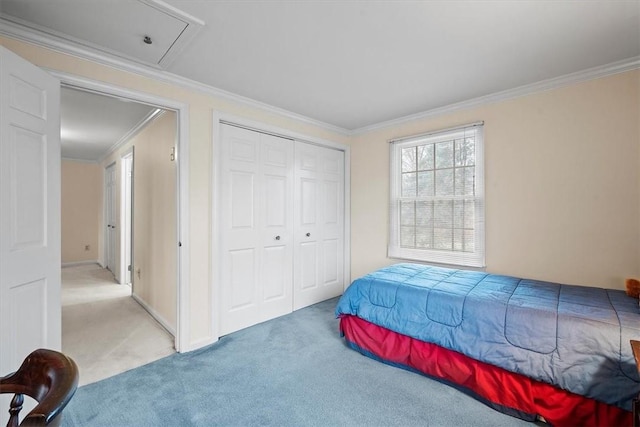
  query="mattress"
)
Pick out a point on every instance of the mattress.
point(575, 338)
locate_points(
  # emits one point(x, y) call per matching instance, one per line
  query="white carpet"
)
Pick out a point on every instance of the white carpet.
point(104, 330)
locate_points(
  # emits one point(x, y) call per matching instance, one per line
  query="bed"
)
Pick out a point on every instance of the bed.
point(528, 348)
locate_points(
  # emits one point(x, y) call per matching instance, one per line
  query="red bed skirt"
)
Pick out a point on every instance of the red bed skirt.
point(511, 393)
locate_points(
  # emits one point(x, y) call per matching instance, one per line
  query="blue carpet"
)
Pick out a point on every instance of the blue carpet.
point(292, 371)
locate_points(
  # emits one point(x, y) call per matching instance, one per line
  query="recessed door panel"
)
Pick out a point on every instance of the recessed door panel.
point(27, 98)
point(309, 265)
point(27, 185)
point(309, 201)
point(242, 265)
point(331, 255)
point(31, 325)
point(244, 150)
point(275, 188)
point(242, 199)
point(331, 203)
point(275, 268)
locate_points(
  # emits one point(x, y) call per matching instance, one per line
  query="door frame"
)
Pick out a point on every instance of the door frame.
point(182, 337)
point(126, 214)
point(215, 250)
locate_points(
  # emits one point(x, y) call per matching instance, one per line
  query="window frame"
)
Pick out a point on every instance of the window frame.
point(440, 256)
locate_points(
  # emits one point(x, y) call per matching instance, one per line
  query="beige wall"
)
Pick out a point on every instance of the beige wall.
point(562, 183)
point(154, 277)
point(81, 206)
point(201, 106)
point(154, 225)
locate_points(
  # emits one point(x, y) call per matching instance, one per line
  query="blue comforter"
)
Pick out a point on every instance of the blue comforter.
point(574, 337)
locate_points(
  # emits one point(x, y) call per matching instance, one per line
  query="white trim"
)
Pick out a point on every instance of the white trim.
point(215, 272)
point(19, 32)
point(123, 211)
point(541, 86)
point(78, 263)
point(183, 336)
point(154, 314)
point(137, 128)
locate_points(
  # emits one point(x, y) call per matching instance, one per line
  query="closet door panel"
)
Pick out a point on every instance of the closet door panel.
point(238, 232)
point(256, 220)
point(319, 224)
point(276, 218)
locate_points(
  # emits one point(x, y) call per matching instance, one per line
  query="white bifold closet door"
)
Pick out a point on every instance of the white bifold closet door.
point(319, 224)
point(256, 228)
point(281, 226)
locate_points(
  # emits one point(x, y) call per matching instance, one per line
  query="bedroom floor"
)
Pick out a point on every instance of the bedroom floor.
point(104, 330)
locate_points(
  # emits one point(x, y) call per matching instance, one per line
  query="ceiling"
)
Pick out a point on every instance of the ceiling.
point(91, 125)
point(349, 64)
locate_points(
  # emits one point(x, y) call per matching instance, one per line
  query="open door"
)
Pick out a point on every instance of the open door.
point(30, 314)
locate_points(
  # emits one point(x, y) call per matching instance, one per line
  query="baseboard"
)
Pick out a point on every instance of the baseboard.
point(154, 314)
point(76, 263)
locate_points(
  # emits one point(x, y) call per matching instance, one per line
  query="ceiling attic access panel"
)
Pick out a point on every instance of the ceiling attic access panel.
point(118, 30)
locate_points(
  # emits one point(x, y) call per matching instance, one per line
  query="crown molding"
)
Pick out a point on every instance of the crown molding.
point(153, 115)
point(541, 86)
point(73, 159)
point(22, 33)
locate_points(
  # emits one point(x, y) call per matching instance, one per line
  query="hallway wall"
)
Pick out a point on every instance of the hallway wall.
point(81, 216)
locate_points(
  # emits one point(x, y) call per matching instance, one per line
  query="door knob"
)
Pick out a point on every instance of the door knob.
point(277, 237)
point(308, 234)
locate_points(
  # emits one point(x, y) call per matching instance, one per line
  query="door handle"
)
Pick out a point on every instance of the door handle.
point(277, 237)
point(308, 234)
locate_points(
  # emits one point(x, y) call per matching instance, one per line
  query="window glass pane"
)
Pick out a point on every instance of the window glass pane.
point(469, 214)
point(464, 185)
point(424, 238)
point(444, 182)
point(465, 152)
point(469, 240)
point(458, 239)
point(442, 238)
point(407, 237)
point(458, 214)
point(407, 213)
point(425, 184)
point(409, 184)
point(442, 214)
point(444, 154)
point(409, 159)
point(424, 214)
point(425, 157)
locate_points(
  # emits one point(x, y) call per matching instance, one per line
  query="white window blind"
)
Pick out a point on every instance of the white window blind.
point(437, 197)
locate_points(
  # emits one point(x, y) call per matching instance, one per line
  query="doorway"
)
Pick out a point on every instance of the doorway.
point(125, 230)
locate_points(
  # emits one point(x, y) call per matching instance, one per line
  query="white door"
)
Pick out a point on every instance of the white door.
point(256, 226)
point(319, 224)
point(110, 217)
point(29, 210)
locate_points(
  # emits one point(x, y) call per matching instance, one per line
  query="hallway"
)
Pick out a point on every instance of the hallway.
point(105, 330)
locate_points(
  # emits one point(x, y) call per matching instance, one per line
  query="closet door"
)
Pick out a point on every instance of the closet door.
point(256, 227)
point(319, 224)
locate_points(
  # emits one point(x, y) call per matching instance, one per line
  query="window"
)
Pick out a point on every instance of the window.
point(437, 197)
